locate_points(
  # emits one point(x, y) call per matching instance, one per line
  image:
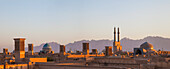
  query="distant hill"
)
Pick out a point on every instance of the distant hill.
point(127, 44)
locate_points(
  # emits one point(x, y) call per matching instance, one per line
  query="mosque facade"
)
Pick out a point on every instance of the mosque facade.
point(117, 48)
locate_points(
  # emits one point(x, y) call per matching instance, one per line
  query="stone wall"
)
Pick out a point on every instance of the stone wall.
point(14, 66)
point(72, 67)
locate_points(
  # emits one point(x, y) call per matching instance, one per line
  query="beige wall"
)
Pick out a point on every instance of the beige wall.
point(38, 59)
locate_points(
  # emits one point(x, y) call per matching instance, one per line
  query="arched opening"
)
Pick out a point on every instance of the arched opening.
point(138, 52)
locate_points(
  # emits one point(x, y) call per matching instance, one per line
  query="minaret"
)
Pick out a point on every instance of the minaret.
point(118, 37)
point(114, 42)
point(114, 34)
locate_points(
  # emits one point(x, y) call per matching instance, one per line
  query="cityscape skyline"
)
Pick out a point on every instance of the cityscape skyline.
point(84, 34)
point(68, 21)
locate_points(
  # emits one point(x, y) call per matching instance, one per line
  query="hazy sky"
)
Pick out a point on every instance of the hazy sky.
point(66, 21)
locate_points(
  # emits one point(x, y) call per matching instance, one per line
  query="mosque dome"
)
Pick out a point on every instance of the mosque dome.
point(46, 46)
point(146, 46)
point(46, 49)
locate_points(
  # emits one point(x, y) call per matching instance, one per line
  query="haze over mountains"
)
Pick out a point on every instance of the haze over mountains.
point(127, 44)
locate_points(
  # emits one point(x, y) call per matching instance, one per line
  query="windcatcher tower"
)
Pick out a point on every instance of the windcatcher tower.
point(116, 44)
point(94, 51)
point(19, 49)
point(108, 50)
point(5, 52)
point(30, 49)
point(85, 48)
point(62, 50)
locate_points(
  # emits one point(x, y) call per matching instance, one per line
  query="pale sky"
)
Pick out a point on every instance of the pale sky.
point(66, 21)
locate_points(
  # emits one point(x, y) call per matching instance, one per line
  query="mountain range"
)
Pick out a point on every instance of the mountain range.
point(127, 44)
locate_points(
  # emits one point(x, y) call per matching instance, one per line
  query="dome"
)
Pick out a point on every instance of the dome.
point(146, 46)
point(46, 46)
